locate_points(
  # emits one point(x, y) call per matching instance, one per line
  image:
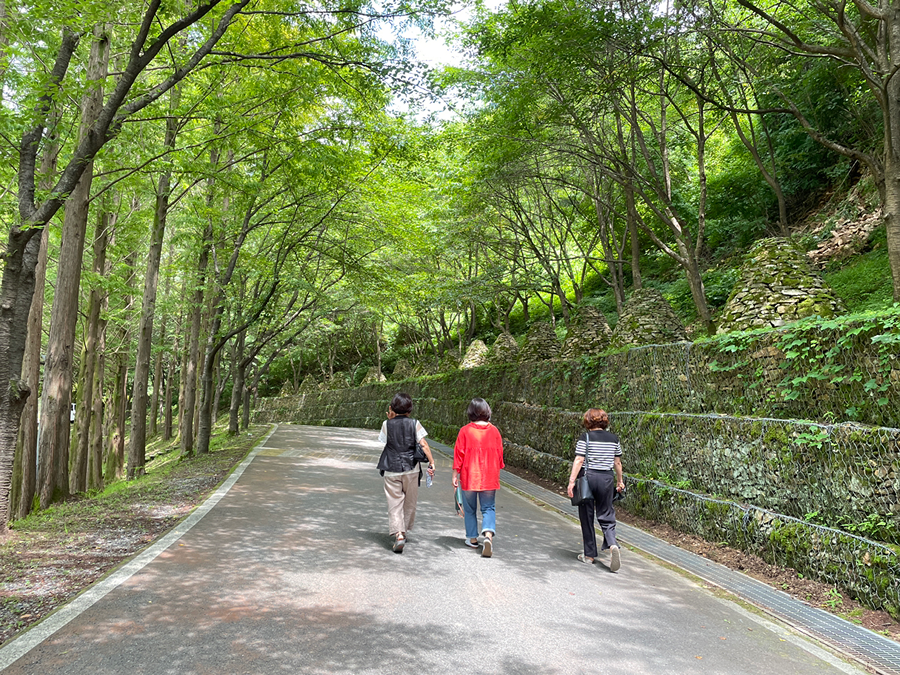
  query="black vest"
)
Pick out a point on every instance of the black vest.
point(397, 455)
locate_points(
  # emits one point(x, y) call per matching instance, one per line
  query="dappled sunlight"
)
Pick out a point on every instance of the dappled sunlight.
point(293, 572)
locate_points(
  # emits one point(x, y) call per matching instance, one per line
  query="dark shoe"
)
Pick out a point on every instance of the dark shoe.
point(398, 545)
point(614, 562)
point(487, 549)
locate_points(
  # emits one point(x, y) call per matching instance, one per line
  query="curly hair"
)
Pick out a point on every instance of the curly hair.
point(595, 418)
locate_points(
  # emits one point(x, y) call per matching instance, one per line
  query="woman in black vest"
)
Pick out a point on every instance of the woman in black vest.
point(402, 475)
point(599, 454)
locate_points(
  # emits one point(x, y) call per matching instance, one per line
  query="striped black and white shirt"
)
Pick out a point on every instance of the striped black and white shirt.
point(601, 447)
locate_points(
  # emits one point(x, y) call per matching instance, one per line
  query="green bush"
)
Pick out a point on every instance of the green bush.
point(864, 284)
point(717, 282)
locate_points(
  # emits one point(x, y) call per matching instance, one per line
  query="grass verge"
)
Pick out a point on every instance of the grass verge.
point(54, 554)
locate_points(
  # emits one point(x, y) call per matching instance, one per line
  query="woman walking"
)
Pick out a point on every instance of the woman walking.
point(477, 460)
point(599, 454)
point(400, 434)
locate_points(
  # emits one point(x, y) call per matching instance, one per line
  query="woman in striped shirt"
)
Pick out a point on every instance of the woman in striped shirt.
point(599, 453)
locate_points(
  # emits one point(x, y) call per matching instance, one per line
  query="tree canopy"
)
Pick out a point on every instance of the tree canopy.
point(246, 197)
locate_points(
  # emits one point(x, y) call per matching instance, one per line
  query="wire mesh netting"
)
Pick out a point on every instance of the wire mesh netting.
point(716, 434)
point(868, 570)
point(843, 475)
point(844, 369)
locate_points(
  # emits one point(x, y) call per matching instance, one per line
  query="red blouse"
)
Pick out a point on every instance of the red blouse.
point(478, 457)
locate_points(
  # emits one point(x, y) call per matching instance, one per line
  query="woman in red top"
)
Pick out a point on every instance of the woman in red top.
point(477, 460)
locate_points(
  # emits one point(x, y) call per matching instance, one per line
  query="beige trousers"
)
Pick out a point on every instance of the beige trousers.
point(402, 493)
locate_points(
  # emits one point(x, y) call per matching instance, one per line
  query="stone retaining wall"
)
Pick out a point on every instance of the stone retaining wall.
point(762, 471)
point(846, 371)
point(765, 483)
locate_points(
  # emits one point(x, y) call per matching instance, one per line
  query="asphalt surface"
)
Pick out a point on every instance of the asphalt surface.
point(289, 570)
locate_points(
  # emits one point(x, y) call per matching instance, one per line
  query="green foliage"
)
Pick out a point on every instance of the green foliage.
point(864, 282)
point(730, 234)
point(718, 283)
point(874, 526)
point(814, 361)
point(835, 599)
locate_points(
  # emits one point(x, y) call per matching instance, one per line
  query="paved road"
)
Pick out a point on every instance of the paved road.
point(291, 572)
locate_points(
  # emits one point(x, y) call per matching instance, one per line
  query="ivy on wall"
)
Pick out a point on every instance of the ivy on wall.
point(820, 369)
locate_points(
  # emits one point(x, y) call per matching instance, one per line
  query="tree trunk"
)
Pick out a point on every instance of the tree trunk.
point(170, 381)
point(892, 219)
point(158, 366)
point(245, 418)
point(79, 430)
point(138, 439)
point(26, 449)
point(212, 350)
point(377, 326)
point(636, 280)
point(115, 454)
point(238, 370)
point(152, 422)
point(25, 469)
point(891, 190)
point(78, 477)
point(15, 300)
point(698, 292)
point(139, 400)
point(98, 354)
point(190, 373)
point(95, 446)
point(206, 319)
point(560, 293)
point(185, 356)
point(167, 399)
point(57, 392)
point(220, 388)
point(697, 289)
point(115, 458)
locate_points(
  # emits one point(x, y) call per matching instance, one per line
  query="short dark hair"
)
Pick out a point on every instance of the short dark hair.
point(595, 419)
point(401, 404)
point(479, 411)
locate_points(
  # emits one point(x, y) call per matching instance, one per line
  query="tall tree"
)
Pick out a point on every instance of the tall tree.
point(95, 351)
point(85, 470)
point(138, 436)
point(26, 449)
point(862, 38)
point(23, 244)
point(59, 362)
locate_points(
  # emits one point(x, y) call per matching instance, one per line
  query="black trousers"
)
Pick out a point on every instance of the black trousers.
point(603, 487)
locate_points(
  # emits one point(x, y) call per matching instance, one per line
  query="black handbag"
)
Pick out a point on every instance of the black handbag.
point(419, 456)
point(582, 491)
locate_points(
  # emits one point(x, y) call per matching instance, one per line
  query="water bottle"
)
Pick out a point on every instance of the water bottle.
point(429, 479)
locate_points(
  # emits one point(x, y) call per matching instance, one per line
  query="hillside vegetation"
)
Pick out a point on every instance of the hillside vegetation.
point(198, 213)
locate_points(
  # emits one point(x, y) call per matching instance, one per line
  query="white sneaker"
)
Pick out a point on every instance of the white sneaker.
point(614, 562)
point(487, 546)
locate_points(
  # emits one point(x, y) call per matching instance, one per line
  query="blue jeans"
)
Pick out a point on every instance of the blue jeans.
point(488, 513)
